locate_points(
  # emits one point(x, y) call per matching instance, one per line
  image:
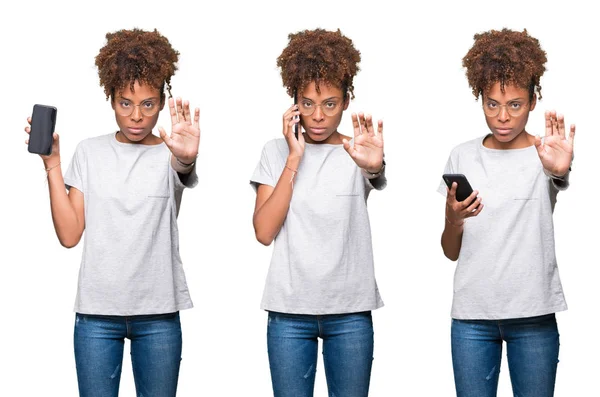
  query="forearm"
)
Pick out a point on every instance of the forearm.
point(67, 225)
point(269, 218)
point(452, 239)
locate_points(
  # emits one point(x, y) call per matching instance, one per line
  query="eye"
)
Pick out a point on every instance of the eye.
point(515, 105)
point(306, 104)
point(330, 105)
point(491, 105)
point(148, 105)
point(124, 103)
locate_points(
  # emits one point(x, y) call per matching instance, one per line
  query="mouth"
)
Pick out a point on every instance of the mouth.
point(135, 131)
point(503, 131)
point(317, 130)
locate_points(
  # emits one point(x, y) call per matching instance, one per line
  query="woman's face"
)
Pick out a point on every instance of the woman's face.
point(319, 126)
point(143, 105)
point(512, 107)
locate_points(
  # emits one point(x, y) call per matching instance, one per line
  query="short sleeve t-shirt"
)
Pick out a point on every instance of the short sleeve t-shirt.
point(322, 259)
point(130, 263)
point(507, 264)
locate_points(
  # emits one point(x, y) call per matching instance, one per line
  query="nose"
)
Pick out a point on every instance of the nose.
point(318, 114)
point(136, 115)
point(503, 114)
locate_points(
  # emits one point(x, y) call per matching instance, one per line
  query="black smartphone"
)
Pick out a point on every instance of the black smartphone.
point(463, 190)
point(296, 125)
point(43, 120)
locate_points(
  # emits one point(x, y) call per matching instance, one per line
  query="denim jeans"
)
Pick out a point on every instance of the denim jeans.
point(532, 345)
point(155, 353)
point(292, 341)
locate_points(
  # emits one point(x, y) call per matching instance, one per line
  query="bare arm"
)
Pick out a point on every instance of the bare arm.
point(272, 203)
point(67, 208)
point(456, 213)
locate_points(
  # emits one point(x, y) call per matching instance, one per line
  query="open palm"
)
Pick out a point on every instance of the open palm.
point(556, 150)
point(184, 139)
point(367, 151)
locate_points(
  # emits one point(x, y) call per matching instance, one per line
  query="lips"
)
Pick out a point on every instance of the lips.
point(317, 130)
point(503, 131)
point(133, 130)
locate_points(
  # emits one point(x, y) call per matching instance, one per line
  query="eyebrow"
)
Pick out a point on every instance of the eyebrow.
point(510, 100)
point(143, 100)
point(324, 100)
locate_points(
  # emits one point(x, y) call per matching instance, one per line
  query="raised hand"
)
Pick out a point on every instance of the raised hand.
point(556, 150)
point(290, 118)
point(367, 151)
point(184, 139)
point(54, 158)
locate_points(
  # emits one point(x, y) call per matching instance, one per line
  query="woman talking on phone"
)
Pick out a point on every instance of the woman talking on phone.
point(311, 199)
point(124, 189)
point(506, 285)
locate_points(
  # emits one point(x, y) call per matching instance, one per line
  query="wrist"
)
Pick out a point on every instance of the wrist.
point(372, 174)
point(186, 161)
point(51, 161)
point(457, 225)
point(293, 161)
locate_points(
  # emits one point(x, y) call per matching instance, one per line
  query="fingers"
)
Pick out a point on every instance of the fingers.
point(476, 212)
point(561, 125)
point(28, 129)
point(172, 111)
point(290, 118)
point(29, 120)
point(452, 192)
point(469, 200)
point(186, 112)
point(572, 135)
point(355, 125)
point(197, 118)
point(380, 129)
point(179, 106)
point(369, 125)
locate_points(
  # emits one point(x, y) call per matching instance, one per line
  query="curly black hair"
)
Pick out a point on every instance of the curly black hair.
point(131, 55)
point(508, 57)
point(325, 57)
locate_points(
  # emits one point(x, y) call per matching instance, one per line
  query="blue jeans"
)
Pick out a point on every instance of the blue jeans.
point(292, 340)
point(531, 348)
point(155, 353)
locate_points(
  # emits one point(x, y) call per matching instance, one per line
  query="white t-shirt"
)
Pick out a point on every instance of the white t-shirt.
point(130, 263)
point(507, 264)
point(322, 259)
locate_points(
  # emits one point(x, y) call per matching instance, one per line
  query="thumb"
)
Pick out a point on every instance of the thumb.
point(538, 145)
point(163, 135)
point(347, 146)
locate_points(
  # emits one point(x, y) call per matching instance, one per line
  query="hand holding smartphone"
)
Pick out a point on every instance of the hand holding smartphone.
point(463, 189)
point(43, 121)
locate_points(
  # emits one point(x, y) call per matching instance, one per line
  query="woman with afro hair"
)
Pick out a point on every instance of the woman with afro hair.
point(506, 286)
point(311, 199)
point(124, 189)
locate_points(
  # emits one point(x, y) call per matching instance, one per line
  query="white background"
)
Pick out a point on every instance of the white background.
point(411, 77)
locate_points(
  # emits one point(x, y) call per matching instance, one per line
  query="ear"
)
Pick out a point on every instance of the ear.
point(533, 103)
point(347, 101)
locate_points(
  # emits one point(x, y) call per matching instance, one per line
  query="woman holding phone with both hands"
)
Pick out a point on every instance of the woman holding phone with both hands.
point(125, 190)
point(506, 285)
point(311, 200)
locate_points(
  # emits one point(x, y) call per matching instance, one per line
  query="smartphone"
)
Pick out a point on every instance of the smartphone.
point(43, 120)
point(296, 125)
point(463, 190)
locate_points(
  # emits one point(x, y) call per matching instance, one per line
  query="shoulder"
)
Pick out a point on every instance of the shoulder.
point(94, 143)
point(467, 148)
